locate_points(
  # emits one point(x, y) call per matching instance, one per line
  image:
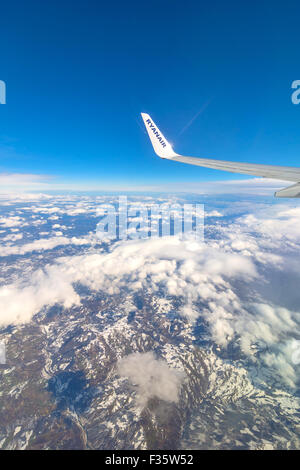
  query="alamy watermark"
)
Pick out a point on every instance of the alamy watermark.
point(2, 92)
point(2, 353)
point(142, 220)
point(296, 94)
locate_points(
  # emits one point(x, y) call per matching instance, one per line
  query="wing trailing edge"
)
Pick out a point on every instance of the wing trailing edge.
point(290, 191)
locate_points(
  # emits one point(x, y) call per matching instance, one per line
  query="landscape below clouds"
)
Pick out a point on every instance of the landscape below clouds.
point(234, 296)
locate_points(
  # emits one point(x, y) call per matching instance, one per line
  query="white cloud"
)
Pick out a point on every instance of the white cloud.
point(184, 269)
point(43, 244)
point(12, 237)
point(278, 223)
point(213, 214)
point(152, 377)
point(281, 361)
point(11, 221)
point(18, 304)
point(13, 197)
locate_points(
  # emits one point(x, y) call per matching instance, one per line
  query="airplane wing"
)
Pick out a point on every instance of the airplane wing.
point(164, 150)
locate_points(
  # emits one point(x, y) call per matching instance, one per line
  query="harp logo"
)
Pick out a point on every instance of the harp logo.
point(156, 133)
point(2, 92)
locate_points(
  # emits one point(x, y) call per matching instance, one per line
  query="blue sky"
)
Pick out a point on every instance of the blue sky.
point(78, 73)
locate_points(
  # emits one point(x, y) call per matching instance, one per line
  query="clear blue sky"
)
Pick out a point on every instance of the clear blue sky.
point(78, 73)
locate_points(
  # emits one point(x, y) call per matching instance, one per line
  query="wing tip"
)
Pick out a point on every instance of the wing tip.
point(161, 146)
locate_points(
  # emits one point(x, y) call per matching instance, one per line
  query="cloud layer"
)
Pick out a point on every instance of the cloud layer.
point(218, 282)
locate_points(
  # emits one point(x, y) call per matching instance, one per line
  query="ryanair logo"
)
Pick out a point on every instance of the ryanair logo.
point(156, 133)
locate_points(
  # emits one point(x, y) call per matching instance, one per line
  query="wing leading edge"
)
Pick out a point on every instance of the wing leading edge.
point(164, 150)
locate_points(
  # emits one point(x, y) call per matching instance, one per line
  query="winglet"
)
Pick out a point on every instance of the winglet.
point(160, 144)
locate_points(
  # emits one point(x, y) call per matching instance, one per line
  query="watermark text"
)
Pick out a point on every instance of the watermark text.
point(2, 92)
point(296, 94)
point(141, 221)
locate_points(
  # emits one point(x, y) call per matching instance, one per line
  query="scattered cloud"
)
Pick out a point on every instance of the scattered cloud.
point(213, 214)
point(43, 244)
point(152, 377)
point(11, 221)
point(278, 223)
